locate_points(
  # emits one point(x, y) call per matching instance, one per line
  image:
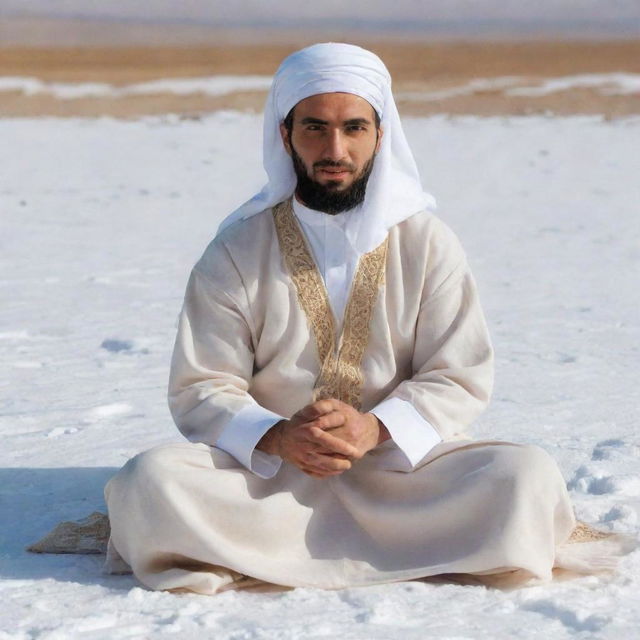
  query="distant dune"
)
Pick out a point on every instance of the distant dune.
point(483, 78)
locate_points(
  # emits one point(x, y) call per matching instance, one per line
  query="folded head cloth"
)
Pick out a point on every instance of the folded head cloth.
point(394, 191)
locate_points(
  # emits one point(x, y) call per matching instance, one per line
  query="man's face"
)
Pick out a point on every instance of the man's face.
point(333, 143)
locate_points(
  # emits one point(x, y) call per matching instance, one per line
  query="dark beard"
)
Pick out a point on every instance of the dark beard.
point(325, 197)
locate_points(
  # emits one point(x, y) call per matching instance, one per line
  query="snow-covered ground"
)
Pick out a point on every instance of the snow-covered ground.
point(101, 221)
point(609, 84)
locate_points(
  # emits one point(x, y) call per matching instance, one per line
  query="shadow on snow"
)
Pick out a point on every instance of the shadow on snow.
point(32, 502)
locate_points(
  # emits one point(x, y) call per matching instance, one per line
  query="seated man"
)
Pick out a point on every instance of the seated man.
point(330, 354)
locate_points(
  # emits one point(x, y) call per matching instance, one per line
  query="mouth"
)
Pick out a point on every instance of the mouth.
point(335, 173)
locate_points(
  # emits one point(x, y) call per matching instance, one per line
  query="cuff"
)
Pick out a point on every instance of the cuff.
point(241, 435)
point(413, 435)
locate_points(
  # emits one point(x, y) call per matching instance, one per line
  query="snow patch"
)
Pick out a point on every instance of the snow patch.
point(521, 86)
point(210, 85)
point(61, 431)
point(594, 482)
point(605, 83)
point(576, 620)
point(26, 364)
point(109, 411)
point(620, 514)
point(127, 346)
point(15, 335)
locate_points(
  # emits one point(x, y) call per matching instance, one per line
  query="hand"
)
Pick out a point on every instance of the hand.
point(305, 441)
point(362, 430)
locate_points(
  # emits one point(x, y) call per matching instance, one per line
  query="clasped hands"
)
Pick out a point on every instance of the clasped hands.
point(324, 438)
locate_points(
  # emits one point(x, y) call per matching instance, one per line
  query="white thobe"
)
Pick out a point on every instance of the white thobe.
point(337, 260)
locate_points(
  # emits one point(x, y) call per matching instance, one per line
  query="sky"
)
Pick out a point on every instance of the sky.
point(620, 17)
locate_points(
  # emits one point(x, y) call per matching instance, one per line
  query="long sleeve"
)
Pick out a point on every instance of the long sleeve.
point(452, 359)
point(449, 374)
point(410, 432)
point(211, 369)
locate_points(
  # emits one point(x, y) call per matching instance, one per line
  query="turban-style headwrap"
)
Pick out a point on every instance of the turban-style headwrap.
point(394, 191)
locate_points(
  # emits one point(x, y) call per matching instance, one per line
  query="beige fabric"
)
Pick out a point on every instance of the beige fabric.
point(183, 514)
point(190, 517)
point(244, 338)
point(341, 356)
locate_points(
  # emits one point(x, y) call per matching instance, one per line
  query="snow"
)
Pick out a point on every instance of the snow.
point(603, 83)
point(609, 84)
point(101, 223)
point(208, 85)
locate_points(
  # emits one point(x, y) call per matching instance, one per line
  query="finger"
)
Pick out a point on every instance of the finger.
point(317, 409)
point(326, 465)
point(339, 456)
point(332, 443)
point(329, 463)
point(328, 420)
point(325, 460)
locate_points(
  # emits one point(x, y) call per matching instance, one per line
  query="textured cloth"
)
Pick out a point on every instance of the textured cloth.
point(336, 260)
point(187, 516)
point(335, 257)
point(193, 517)
point(394, 191)
point(241, 346)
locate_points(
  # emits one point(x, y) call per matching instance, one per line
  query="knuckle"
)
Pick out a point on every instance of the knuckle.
point(315, 432)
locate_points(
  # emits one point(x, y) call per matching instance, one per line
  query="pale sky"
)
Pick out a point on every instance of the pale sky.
point(364, 11)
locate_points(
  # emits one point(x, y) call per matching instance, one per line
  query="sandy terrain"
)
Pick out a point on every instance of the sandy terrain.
point(418, 69)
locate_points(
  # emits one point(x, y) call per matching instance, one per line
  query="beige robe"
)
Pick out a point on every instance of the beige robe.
point(255, 327)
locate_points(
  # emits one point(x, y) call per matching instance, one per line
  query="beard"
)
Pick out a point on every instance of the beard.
point(326, 197)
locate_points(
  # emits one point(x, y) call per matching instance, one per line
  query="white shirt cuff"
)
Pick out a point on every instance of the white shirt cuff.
point(241, 435)
point(413, 435)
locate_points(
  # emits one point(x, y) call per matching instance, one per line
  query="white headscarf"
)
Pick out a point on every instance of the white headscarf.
point(393, 191)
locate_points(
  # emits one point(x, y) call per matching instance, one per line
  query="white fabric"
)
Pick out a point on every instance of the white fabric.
point(394, 192)
point(337, 260)
point(242, 434)
point(412, 434)
point(334, 255)
point(187, 516)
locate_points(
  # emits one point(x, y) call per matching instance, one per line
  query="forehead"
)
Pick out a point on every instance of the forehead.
point(330, 106)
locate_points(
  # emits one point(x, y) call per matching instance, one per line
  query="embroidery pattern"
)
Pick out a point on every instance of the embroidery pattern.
point(340, 371)
point(584, 532)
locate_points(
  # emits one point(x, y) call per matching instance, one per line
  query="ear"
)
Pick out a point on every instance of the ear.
point(379, 140)
point(285, 138)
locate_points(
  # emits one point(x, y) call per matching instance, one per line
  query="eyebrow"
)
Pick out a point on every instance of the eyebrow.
point(352, 121)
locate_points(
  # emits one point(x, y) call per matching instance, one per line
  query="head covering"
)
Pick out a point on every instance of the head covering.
point(393, 191)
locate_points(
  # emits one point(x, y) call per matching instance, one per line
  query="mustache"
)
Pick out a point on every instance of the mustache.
point(334, 165)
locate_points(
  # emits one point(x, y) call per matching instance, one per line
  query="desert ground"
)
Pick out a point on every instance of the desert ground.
point(479, 78)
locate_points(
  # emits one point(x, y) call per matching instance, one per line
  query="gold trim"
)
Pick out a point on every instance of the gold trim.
point(341, 374)
point(584, 532)
point(312, 294)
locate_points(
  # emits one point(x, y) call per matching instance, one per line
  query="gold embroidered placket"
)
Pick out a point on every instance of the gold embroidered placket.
point(340, 371)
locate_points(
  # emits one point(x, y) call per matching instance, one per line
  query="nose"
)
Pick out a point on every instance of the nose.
point(336, 147)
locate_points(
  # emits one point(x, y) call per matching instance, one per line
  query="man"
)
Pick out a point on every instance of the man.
point(330, 353)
